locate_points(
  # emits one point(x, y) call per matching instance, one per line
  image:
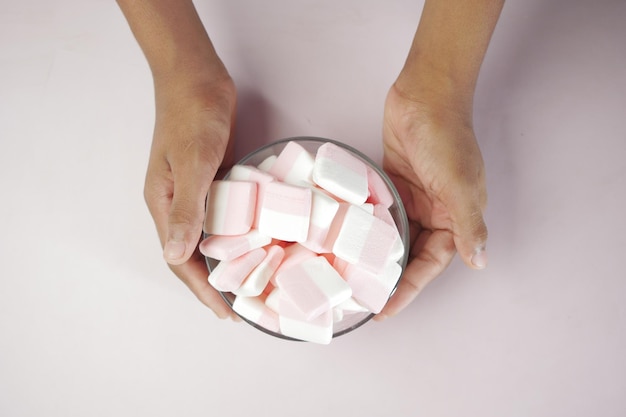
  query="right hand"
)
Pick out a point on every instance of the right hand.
point(192, 132)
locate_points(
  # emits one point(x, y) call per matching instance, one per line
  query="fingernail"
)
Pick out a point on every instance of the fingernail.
point(479, 259)
point(174, 250)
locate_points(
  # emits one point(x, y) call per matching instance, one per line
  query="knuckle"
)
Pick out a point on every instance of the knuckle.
point(184, 215)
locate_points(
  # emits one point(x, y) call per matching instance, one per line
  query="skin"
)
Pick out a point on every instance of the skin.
point(430, 150)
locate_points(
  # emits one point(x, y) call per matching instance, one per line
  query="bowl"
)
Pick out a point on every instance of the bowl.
point(311, 144)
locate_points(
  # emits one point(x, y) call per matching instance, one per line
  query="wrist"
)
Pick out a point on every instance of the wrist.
point(188, 78)
point(435, 94)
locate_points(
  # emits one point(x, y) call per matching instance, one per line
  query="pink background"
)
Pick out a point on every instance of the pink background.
point(92, 323)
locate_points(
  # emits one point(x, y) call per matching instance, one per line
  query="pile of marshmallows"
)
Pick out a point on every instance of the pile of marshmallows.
point(303, 241)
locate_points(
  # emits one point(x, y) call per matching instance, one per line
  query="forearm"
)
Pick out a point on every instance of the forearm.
point(173, 39)
point(448, 49)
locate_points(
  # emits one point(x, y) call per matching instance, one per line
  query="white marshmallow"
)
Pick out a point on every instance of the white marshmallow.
point(323, 210)
point(255, 310)
point(267, 163)
point(257, 280)
point(372, 290)
point(365, 240)
point(226, 248)
point(230, 207)
point(285, 212)
point(273, 300)
point(228, 275)
point(293, 165)
point(352, 305)
point(341, 173)
point(294, 324)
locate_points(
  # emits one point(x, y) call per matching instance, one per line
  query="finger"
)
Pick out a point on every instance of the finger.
point(433, 252)
point(193, 170)
point(468, 226)
point(194, 274)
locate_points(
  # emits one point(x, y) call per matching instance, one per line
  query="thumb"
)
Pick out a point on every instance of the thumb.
point(186, 216)
point(470, 230)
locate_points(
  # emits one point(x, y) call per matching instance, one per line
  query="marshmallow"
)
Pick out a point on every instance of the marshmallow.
point(372, 290)
point(225, 248)
point(252, 174)
point(294, 254)
point(257, 280)
point(294, 324)
point(368, 207)
point(335, 226)
point(384, 214)
point(340, 265)
point(323, 210)
point(352, 305)
point(378, 191)
point(313, 286)
point(267, 163)
point(228, 275)
point(255, 310)
point(272, 301)
point(230, 207)
point(285, 212)
point(337, 314)
point(293, 165)
point(249, 173)
point(365, 240)
point(340, 173)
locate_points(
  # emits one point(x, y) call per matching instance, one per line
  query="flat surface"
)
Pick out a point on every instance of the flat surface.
point(92, 323)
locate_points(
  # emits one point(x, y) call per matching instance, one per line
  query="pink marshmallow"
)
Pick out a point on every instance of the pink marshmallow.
point(340, 265)
point(335, 226)
point(295, 253)
point(323, 210)
point(365, 240)
point(226, 248)
point(351, 305)
point(249, 173)
point(228, 275)
point(372, 290)
point(294, 324)
point(378, 191)
point(230, 207)
point(313, 286)
point(252, 174)
point(273, 300)
point(255, 310)
point(293, 165)
point(258, 279)
point(285, 212)
point(384, 214)
point(341, 173)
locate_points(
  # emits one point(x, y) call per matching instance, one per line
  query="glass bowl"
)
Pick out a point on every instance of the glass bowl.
point(311, 144)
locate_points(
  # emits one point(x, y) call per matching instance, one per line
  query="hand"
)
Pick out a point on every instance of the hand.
point(431, 155)
point(191, 136)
